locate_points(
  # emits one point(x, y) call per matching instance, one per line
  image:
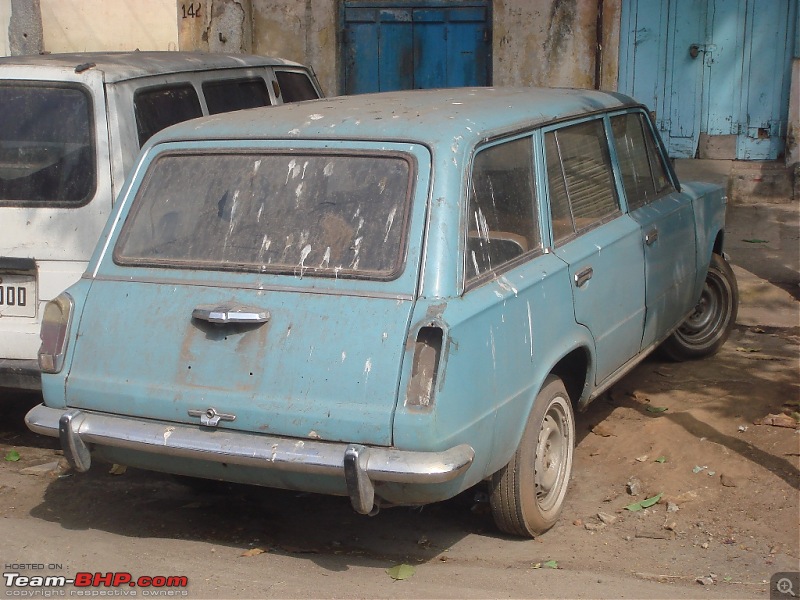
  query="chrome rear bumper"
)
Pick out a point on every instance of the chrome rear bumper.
point(359, 465)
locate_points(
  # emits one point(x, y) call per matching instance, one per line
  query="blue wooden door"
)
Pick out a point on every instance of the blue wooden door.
point(399, 45)
point(715, 68)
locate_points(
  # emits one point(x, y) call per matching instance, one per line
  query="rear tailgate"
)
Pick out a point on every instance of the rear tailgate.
point(323, 366)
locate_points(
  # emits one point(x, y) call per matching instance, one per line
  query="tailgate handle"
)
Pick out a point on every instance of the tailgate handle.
point(651, 237)
point(235, 313)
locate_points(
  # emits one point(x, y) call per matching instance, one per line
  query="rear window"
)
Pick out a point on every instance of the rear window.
point(235, 94)
point(47, 151)
point(295, 86)
point(160, 107)
point(309, 214)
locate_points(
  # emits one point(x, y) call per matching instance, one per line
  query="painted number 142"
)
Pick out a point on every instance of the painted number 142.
point(191, 11)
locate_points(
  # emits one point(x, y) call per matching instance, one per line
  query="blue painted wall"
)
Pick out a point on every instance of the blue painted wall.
point(734, 83)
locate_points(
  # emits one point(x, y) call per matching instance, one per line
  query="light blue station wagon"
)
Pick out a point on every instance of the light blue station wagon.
point(392, 297)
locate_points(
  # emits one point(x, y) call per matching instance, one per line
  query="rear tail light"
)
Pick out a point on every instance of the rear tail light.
point(424, 370)
point(55, 326)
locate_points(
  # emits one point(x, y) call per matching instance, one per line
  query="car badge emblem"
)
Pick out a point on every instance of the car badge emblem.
point(210, 417)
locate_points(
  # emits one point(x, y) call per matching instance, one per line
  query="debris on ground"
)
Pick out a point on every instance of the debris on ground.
point(727, 481)
point(634, 486)
point(606, 518)
point(401, 572)
point(778, 420)
point(43, 469)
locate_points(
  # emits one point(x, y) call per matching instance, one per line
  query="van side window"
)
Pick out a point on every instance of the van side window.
point(582, 191)
point(295, 86)
point(643, 174)
point(235, 94)
point(159, 107)
point(502, 223)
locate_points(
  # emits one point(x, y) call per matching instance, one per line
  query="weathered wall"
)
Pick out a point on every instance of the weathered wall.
point(88, 25)
point(217, 26)
point(304, 31)
point(793, 136)
point(24, 27)
point(554, 42)
point(5, 22)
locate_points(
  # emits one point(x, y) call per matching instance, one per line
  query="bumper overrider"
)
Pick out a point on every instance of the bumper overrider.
point(360, 465)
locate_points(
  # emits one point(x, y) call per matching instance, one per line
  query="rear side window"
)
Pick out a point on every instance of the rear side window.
point(643, 174)
point(47, 151)
point(160, 107)
point(502, 223)
point(303, 214)
point(235, 94)
point(295, 86)
point(581, 182)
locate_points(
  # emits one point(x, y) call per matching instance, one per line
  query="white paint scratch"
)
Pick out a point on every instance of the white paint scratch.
point(168, 432)
point(291, 167)
point(344, 356)
point(530, 328)
point(326, 259)
point(303, 255)
point(389, 221)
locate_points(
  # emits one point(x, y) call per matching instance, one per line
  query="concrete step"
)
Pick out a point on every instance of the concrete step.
point(746, 182)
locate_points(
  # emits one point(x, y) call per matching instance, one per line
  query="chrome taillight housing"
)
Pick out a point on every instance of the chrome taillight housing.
point(425, 368)
point(55, 327)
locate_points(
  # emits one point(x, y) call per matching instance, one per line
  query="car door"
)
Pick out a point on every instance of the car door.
point(666, 219)
point(601, 245)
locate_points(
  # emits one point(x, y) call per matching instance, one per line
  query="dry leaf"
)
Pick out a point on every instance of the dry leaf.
point(253, 552)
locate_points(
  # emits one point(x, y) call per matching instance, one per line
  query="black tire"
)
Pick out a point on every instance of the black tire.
point(528, 493)
point(708, 327)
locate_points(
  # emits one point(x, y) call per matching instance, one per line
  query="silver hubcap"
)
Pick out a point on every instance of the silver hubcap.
point(552, 453)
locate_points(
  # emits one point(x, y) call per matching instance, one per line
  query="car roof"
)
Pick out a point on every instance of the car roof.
point(118, 66)
point(465, 114)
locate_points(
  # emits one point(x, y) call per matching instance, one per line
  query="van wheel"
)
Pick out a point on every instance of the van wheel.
point(708, 327)
point(528, 493)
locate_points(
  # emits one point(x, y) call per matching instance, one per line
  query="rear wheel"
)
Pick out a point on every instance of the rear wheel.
point(528, 493)
point(708, 327)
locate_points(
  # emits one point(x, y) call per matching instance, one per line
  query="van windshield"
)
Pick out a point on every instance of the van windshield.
point(47, 153)
point(306, 214)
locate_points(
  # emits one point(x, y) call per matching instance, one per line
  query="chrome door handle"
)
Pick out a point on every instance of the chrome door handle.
point(583, 276)
point(651, 236)
point(235, 313)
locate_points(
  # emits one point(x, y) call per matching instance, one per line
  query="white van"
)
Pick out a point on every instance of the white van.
point(71, 126)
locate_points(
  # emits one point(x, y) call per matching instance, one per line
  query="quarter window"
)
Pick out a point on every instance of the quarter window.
point(581, 183)
point(643, 174)
point(295, 86)
point(235, 94)
point(157, 108)
point(502, 223)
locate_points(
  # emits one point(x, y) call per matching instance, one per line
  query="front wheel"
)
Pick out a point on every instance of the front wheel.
point(708, 327)
point(528, 493)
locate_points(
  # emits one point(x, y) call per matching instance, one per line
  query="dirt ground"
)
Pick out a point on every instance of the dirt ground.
point(699, 434)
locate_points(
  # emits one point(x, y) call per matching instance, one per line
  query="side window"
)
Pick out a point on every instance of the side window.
point(295, 86)
point(235, 94)
point(581, 183)
point(160, 107)
point(643, 174)
point(501, 209)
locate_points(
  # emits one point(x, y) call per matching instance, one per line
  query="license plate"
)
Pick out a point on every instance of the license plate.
point(17, 295)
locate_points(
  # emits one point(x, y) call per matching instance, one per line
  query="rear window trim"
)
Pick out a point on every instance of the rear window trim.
point(402, 254)
point(60, 204)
